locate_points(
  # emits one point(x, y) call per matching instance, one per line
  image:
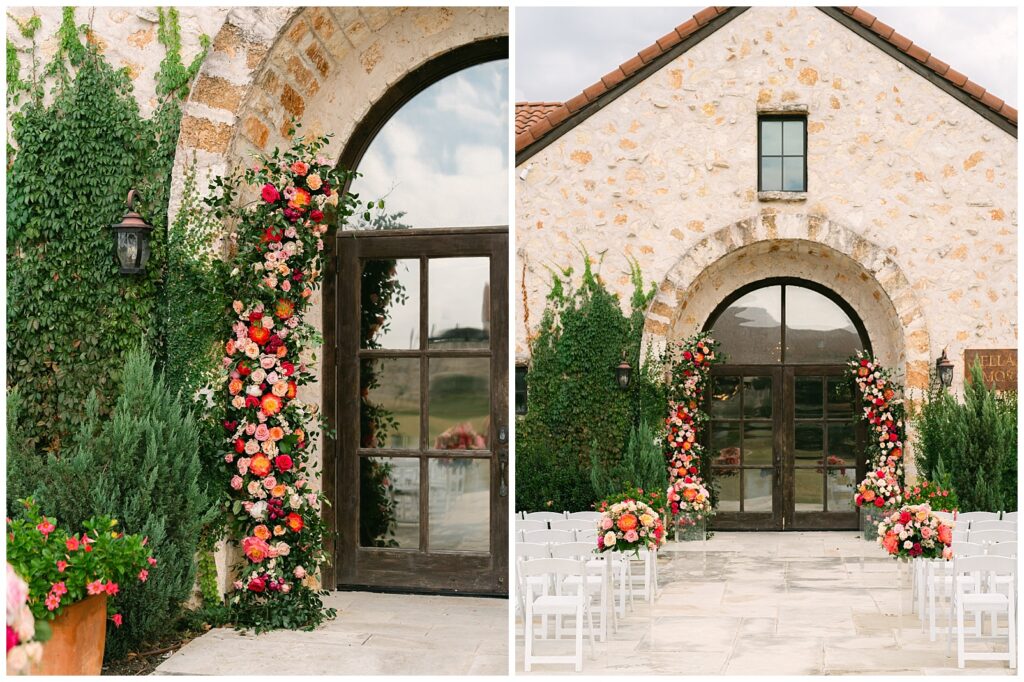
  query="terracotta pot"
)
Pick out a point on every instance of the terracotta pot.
point(79, 635)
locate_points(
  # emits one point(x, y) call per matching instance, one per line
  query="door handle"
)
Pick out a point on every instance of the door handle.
point(502, 469)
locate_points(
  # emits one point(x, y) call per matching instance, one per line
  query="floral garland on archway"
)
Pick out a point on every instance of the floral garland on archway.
point(274, 509)
point(690, 363)
point(884, 414)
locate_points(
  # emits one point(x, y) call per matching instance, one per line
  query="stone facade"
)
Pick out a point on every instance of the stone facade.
point(910, 213)
point(324, 67)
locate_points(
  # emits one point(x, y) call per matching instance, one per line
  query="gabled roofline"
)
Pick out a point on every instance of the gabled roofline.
point(704, 23)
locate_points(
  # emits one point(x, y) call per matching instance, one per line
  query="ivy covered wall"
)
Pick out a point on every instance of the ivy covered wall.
point(78, 143)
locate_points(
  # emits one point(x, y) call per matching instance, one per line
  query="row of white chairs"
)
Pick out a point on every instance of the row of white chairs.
point(557, 516)
point(560, 524)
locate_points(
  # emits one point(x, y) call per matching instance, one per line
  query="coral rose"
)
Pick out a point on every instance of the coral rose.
point(270, 404)
point(262, 532)
point(300, 168)
point(945, 534)
point(891, 542)
point(260, 465)
point(300, 200)
point(255, 550)
point(314, 182)
point(627, 522)
point(259, 334)
point(294, 522)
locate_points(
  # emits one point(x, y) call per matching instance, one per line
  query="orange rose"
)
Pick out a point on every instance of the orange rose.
point(262, 532)
point(294, 522)
point(689, 494)
point(627, 522)
point(270, 404)
point(259, 334)
point(276, 433)
point(292, 388)
point(279, 490)
point(869, 495)
point(300, 199)
point(891, 541)
point(260, 465)
point(235, 386)
point(945, 534)
point(284, 308)
point(862, 371)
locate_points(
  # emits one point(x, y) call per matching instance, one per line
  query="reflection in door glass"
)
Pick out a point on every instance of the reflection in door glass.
point(389, 502)
point(460, 403)
point(807, 494)
point(757, 397)
point(390, 407)
point(442, 159)
point(725, 397)
point(757, 490)
point(390, 304)
point(459, 310)
point(750, 329)
point(840, 489)
point(460, 504)
point(817, 329)
point(728, 483)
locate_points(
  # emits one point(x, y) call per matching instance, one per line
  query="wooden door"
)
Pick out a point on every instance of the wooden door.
point(422, 410)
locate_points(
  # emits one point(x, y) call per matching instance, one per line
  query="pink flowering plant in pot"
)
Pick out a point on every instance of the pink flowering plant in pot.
point(63, 568)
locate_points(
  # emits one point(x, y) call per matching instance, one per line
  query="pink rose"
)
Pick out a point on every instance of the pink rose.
point(262, 432)
point(236, 482)
point(300, 168)
point(606, 523)
point(631, 536)
point(270, 193)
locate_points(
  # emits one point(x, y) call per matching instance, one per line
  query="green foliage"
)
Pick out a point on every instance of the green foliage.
point(577, 416)
point(36, 544)
point(973, 443)
point(22, 461)
point(642, 465)
point(142, 464)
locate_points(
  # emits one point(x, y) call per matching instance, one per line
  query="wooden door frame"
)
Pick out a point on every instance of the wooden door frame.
point(487, 573)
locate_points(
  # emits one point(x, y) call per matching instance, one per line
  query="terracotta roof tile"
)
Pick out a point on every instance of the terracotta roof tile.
point(528, 113)
point(535, 119)
point(938, 66)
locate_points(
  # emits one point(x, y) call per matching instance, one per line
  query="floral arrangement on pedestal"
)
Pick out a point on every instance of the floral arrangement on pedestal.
point(268, 350)
point(25, 637)
point(884, 413)
point(63, 568)
point(915, 531)
point(629, 526)
point(460, 437)
point(690, 365)
point(655, 499)
point(935, 495)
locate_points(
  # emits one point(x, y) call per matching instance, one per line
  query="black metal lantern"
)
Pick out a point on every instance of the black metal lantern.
point(131, 240)
point(623, 373)
point(944, 368)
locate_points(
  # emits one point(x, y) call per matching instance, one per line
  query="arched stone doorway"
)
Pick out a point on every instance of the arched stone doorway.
point(333, 70)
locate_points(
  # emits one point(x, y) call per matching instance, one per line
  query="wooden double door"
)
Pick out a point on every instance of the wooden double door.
point(422, 411)
point(785, 447)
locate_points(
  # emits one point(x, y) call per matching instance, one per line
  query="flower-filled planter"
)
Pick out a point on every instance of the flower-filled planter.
point(914, 531)
point(628, 526)
point(691, 505)
point(70, 577)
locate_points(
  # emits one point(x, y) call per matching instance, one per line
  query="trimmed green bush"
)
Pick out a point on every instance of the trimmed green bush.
point(972, 445)
point(642, 465)
point(140, 464)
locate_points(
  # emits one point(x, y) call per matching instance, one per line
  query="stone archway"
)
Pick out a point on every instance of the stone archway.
point(807, 246)
point(324, 67)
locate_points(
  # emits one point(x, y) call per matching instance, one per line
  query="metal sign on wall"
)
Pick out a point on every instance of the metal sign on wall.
point(998, 366)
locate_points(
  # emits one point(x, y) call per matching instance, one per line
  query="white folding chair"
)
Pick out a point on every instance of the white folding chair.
point(977, 516)
point(961, 536)
point(993, 525)
point(939, 577)
point(984, 598)
point(986, 537)
point(587, 536)
point(544, 516)
point(584, 516)
point(596, 583)
point(573, 525)
point(554, 536)
point(1008, 549)
point(520, 515)
point(524, 551)
point(524, 525)
point(563, 602)
point(1010, 516)
point(945, 517)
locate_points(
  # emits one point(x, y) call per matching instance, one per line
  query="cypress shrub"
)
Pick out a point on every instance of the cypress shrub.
point(973, 443)
point(141, 466)
point(642, 465)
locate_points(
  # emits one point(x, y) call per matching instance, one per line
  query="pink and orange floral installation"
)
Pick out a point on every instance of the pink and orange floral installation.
point(268, 353)
point(691, 363)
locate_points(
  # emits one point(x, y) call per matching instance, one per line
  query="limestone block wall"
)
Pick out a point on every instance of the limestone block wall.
point(127, 36)
point(909, 183)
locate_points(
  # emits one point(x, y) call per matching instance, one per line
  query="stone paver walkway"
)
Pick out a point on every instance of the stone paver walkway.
point(374, 634)
point(771, 603)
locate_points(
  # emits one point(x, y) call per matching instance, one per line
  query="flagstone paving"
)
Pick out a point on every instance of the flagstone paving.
point(771, 603)
point(374, 634)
